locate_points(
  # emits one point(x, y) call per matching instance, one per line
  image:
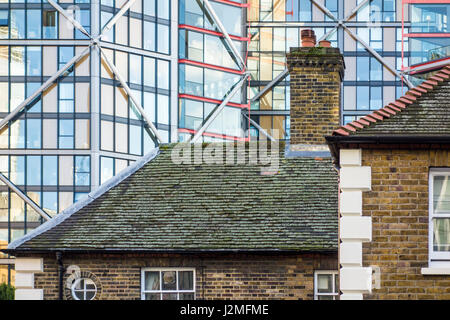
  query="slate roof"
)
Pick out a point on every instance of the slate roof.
point(166, 207)
point(422, 111)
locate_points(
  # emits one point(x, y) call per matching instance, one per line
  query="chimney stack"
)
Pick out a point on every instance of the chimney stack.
point(316, 74)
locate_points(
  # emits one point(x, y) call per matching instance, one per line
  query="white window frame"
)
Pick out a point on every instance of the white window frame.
point(160, 270)
point(335, 274)
point(436, 258)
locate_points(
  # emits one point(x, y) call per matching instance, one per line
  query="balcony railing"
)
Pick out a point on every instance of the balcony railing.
point(439, 53)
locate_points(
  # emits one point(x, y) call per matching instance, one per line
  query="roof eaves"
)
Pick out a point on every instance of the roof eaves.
point(397, 106)
point(67, 213)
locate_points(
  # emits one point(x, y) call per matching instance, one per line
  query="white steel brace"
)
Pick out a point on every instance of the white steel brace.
point(24, 197)
point(368, 48)
point(216, 111)
point(219, 24)
point(356, 37)
point(260, 129)
point(136, 103)
point(74, 60)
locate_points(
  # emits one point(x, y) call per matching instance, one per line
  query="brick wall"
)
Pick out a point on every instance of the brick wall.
point(398, 205)
point(315, 75)
point(218, 277)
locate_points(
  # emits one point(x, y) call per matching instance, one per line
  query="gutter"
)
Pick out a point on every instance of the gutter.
point(334, 142)
point(160, 251)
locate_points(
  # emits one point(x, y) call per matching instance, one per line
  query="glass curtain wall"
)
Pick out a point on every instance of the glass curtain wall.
point(65, 143)
point(208, 70)
point(274, 27)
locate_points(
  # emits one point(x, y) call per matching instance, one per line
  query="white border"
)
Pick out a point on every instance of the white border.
point(143, 291)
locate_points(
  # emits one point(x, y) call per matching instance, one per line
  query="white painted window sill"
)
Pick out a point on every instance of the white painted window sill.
point(435, 271)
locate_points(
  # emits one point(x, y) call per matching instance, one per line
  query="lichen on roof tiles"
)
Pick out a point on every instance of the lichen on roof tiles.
point(168, 206)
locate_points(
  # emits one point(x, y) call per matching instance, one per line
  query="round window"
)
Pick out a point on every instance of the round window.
point(84, 289)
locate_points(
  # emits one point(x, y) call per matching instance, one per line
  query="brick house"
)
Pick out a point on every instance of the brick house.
point(244, 230)
point(207, 231)
point(163, 229)
point(394, 178)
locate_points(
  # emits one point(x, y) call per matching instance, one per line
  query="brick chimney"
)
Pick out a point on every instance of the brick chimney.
point(316, 74)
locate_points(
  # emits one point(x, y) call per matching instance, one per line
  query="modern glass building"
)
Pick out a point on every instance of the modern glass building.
point(208, 69)
point(82, 129)
point(378, 39)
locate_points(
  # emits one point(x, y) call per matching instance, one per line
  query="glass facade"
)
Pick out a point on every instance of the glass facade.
point(83, 129)
point(208, 69)
point(274, 27)
point(429, 33)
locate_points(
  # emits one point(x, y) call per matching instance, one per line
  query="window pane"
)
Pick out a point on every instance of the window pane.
point(152, 281)
point(186, 296)
point(49, 22)
point(324, 283)
point(152, 296)
point(169, 280)
point(50, 170)
point(169, 296)
point(441, 239)
point(441, 194)
point(34, 170)
point(186, 280)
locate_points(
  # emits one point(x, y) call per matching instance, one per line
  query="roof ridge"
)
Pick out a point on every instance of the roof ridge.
point(77, 206)
point(399, 105)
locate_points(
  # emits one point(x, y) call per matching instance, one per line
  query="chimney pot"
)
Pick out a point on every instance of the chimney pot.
point(325, 44)
point(308, 38)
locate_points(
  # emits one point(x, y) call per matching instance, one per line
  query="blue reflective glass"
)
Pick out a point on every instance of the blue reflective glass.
point(107, 169)
point(34, 133)
point(49, 22)
point(66, 134)
point(50, 170)
point(34, 65)
point(135, 140)
point(34, 170)
point(50, 202)
point(79, 196)
point(149, 35)
point(135, 69)
point(34, 24)
point(362, 98)
point(36, 105)
point(82, 170)
point(84, 17)
point(17, 24)
point(17, 170)
point(4, 19)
